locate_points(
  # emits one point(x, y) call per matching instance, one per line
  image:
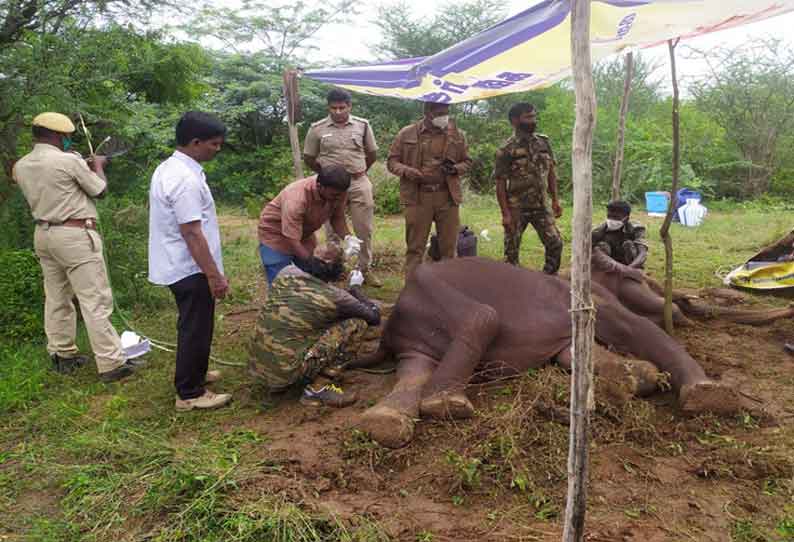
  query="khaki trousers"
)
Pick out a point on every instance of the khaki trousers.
point(430, 207)
point(361, 206)
point(72, 264)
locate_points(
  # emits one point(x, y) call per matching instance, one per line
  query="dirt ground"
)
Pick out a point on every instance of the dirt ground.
point(656, 475)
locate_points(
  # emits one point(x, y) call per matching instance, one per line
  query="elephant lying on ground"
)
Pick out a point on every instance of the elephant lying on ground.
point(474, 315)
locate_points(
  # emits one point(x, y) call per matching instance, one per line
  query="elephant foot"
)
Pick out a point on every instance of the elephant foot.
point(388, 426)
point(709, 396)
point(444, 406)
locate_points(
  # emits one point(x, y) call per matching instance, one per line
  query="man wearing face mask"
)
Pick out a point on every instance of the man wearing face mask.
point(60, 188)
point(430, 156)
point(621, 239)
point(524, 175)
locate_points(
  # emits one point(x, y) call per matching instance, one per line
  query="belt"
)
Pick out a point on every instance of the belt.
point(358, 174)
point(432, 187)
point(88, 223)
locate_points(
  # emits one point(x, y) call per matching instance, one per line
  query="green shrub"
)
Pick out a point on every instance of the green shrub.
point(22, 309)
point(386, 190)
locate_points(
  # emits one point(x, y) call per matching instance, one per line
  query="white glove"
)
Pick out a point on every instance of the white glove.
point(356, 278)
point(351, 246)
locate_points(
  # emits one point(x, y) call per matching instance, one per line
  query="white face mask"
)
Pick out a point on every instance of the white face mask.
point(441, 122)
point(613, 224)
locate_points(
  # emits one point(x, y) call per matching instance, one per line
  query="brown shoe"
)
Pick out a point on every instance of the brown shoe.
point(329, 395)
point(371, 279)
point(208, 400)
point(212, 376)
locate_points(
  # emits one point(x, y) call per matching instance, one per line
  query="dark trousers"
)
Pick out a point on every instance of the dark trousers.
point(194, 334)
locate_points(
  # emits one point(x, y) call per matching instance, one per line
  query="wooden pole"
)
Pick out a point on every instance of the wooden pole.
point(668, 219)
point(624, 108)
point(582, 309)
point(290, 96)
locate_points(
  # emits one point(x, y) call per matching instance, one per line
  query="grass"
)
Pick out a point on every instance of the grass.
point(80, 460)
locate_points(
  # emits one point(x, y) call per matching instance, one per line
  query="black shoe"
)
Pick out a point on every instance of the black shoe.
point(122, 371)
point(67, 365)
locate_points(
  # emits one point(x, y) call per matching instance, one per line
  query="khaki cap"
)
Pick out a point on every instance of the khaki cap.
point(55, 122)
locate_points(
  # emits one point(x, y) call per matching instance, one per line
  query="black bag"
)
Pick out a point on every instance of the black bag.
point(467, 245)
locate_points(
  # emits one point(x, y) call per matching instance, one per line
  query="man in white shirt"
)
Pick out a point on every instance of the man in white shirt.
point(185, 253)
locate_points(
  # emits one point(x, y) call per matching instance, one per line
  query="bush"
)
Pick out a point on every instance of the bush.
point(124, 226)
point(386, 190)
point(22, 309)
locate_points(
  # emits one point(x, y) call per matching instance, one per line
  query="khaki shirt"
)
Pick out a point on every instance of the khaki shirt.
point(296, 213)
point(57, 185)
point(410, 150)
point(344, 146)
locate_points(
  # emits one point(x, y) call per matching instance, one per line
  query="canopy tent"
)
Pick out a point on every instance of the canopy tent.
point(532, 49)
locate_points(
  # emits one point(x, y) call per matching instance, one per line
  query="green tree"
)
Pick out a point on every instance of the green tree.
point(405, 35)
point(749, 92)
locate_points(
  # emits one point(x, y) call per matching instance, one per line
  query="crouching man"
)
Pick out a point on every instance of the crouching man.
point(620, 238)
point(307, 329)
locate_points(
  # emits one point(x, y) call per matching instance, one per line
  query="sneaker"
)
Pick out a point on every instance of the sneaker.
point(67, 365)
point(208, 400)
point(789, 347)
point(371, 279)
point(122, 371)
point(212, 376)
point(329, 395)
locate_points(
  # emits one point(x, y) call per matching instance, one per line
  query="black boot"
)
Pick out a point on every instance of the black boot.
point(67, 365)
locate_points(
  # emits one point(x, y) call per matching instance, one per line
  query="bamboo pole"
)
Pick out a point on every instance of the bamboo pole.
point(290, 79)
point(624, 109)
point(668, 219)
point(582, 309)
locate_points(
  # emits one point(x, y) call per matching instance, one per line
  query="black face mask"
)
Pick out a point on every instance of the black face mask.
point(526, 127)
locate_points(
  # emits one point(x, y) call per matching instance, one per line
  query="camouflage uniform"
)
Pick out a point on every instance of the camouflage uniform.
point(299, 331)
point(525, 162)
point(621, 245)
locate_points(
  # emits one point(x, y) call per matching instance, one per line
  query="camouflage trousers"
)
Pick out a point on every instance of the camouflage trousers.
point(543, 222)
point(338, 344)
point(630, 251)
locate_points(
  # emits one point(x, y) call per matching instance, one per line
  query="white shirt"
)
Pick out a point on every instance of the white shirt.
point(179, 194)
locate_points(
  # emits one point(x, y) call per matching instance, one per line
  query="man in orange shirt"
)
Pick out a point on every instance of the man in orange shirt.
point(287, 224)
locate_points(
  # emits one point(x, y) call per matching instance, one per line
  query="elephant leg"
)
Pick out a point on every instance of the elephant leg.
point(461, 329)
point(635, 376)
point(638, 336)
point(391, 421)
point(641, 299)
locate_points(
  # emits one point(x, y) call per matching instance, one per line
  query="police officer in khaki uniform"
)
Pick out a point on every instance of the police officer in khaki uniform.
point(344, 140)
point(430, 156)
point(525, 177)
point(60, 188)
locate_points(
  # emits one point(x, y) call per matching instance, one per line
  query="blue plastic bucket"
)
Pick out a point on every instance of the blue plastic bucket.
point(656, 202)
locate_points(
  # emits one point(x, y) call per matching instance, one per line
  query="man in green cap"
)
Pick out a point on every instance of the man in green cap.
point(60, 188)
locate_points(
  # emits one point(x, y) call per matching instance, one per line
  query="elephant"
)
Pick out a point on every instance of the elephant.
point(474, 316)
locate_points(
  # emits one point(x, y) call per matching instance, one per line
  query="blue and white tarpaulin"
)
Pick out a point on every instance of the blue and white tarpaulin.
point(532, 49)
